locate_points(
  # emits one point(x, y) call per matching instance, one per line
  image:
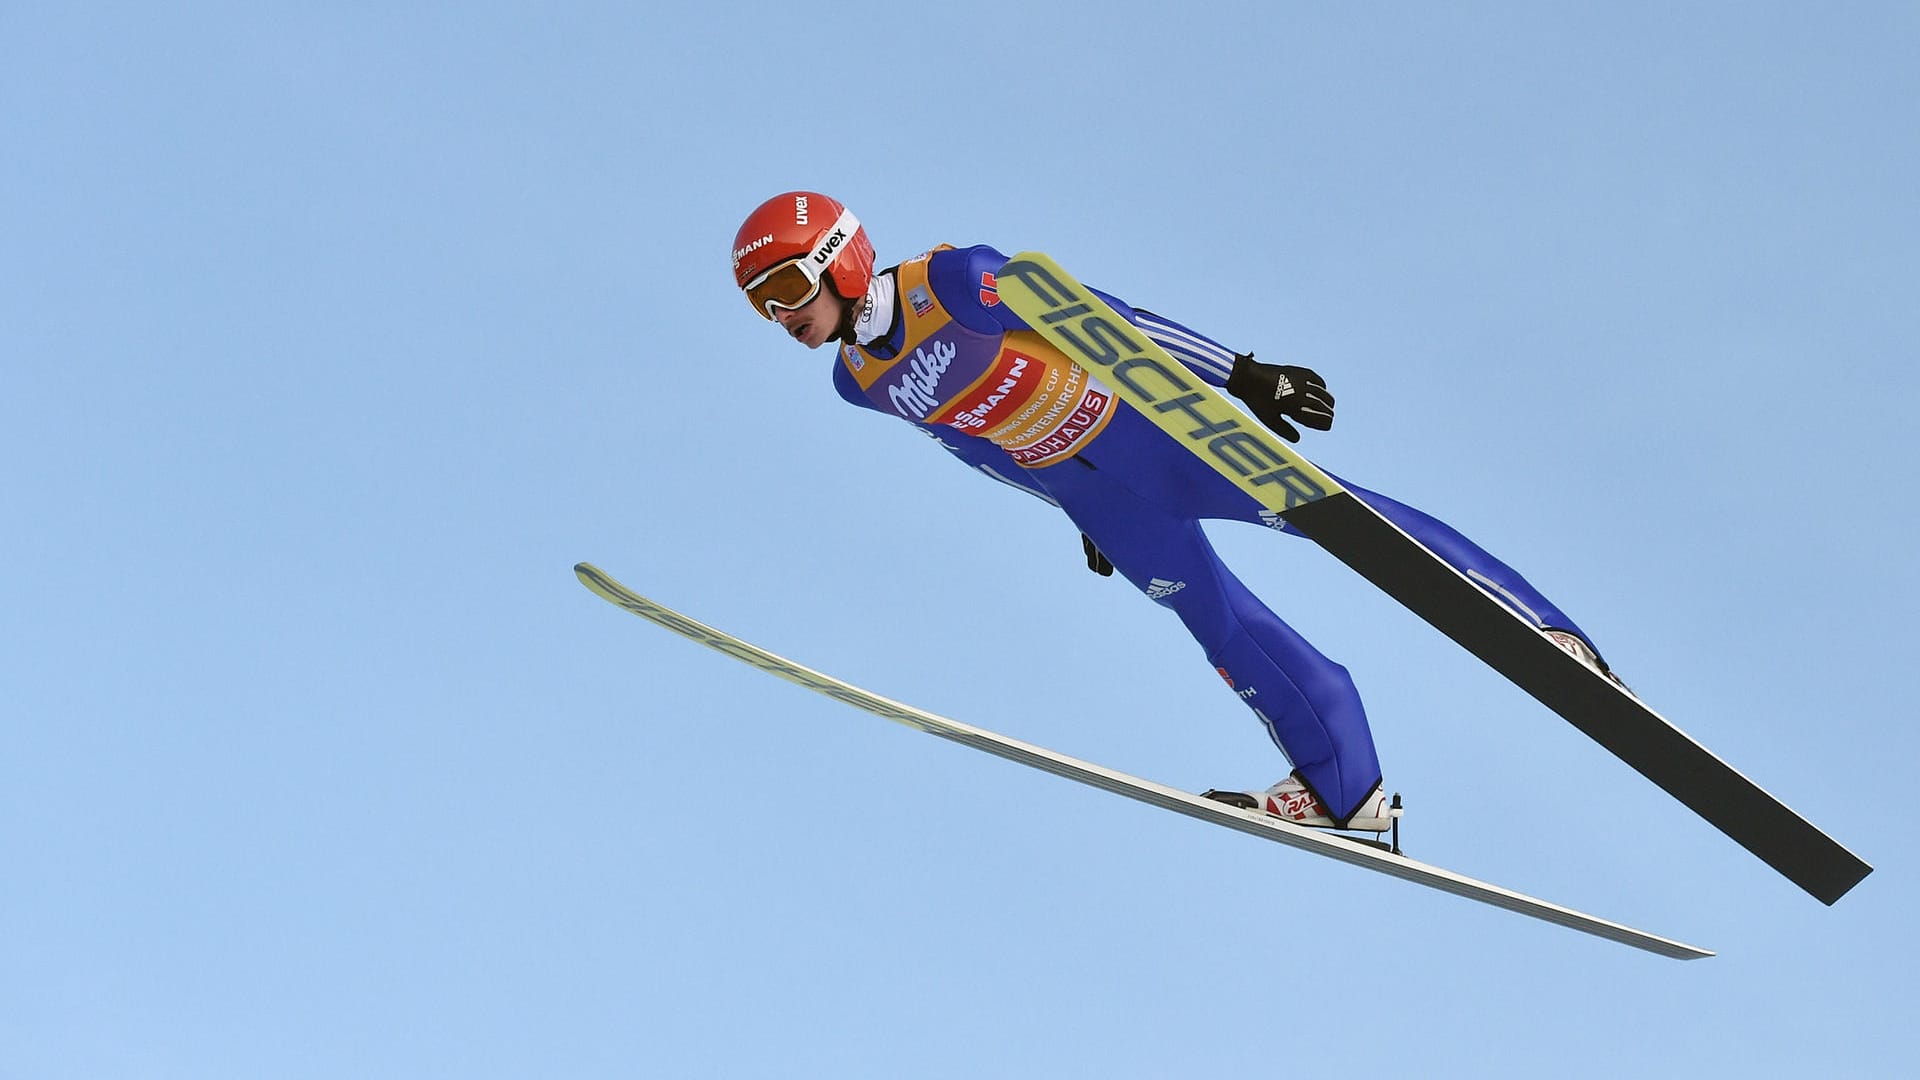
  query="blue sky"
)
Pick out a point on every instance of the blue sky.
point(332, 336)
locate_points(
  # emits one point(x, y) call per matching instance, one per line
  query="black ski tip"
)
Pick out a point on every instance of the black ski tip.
point(1829, 889)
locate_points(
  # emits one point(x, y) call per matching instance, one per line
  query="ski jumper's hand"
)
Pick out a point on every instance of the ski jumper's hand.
point(1278, 392)
point(1096, 562)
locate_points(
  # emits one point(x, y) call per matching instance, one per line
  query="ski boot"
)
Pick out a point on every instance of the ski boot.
point(1292, 801)
point(1577, 647)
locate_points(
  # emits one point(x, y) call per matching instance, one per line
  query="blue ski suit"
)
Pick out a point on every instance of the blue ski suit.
point(963, 367)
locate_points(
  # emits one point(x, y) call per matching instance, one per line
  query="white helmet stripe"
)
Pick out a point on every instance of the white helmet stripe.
point(829, 246)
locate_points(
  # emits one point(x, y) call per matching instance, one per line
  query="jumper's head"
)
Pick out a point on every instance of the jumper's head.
point(793, 242)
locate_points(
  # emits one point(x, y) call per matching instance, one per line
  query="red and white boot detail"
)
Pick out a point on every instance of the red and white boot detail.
point(1292, 801)
point(1577, 647)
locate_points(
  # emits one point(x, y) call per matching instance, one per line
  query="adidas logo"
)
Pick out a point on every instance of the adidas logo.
point(1161, 588)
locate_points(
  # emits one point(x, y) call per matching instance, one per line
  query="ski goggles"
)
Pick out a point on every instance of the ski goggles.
point(794, 283)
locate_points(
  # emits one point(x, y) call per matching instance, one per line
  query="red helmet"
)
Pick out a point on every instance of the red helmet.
point(793, 240)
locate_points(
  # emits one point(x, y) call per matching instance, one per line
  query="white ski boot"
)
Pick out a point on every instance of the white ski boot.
point(1577, 647)
point(1292, 801)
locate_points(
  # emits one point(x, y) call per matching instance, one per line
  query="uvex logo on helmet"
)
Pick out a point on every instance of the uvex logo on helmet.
point(823, 254)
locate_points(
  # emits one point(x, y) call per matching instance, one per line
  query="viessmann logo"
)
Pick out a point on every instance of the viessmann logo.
point(975, 416)
point(743, 252)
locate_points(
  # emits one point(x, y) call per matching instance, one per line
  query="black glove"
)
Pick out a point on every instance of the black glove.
point(1277, 391)
point(1096, 562)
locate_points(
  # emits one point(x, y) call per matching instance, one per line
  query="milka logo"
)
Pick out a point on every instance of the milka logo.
point(913, 395)
point(741, 253)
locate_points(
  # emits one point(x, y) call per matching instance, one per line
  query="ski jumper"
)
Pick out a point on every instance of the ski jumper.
point(967, 370)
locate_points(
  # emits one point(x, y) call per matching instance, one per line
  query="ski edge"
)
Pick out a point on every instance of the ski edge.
point(1133, 787)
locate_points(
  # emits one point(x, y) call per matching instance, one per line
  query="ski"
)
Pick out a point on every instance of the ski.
point(1343, 849)
point(1200, 418)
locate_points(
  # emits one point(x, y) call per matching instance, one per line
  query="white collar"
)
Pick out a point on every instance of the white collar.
point(877, 320)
